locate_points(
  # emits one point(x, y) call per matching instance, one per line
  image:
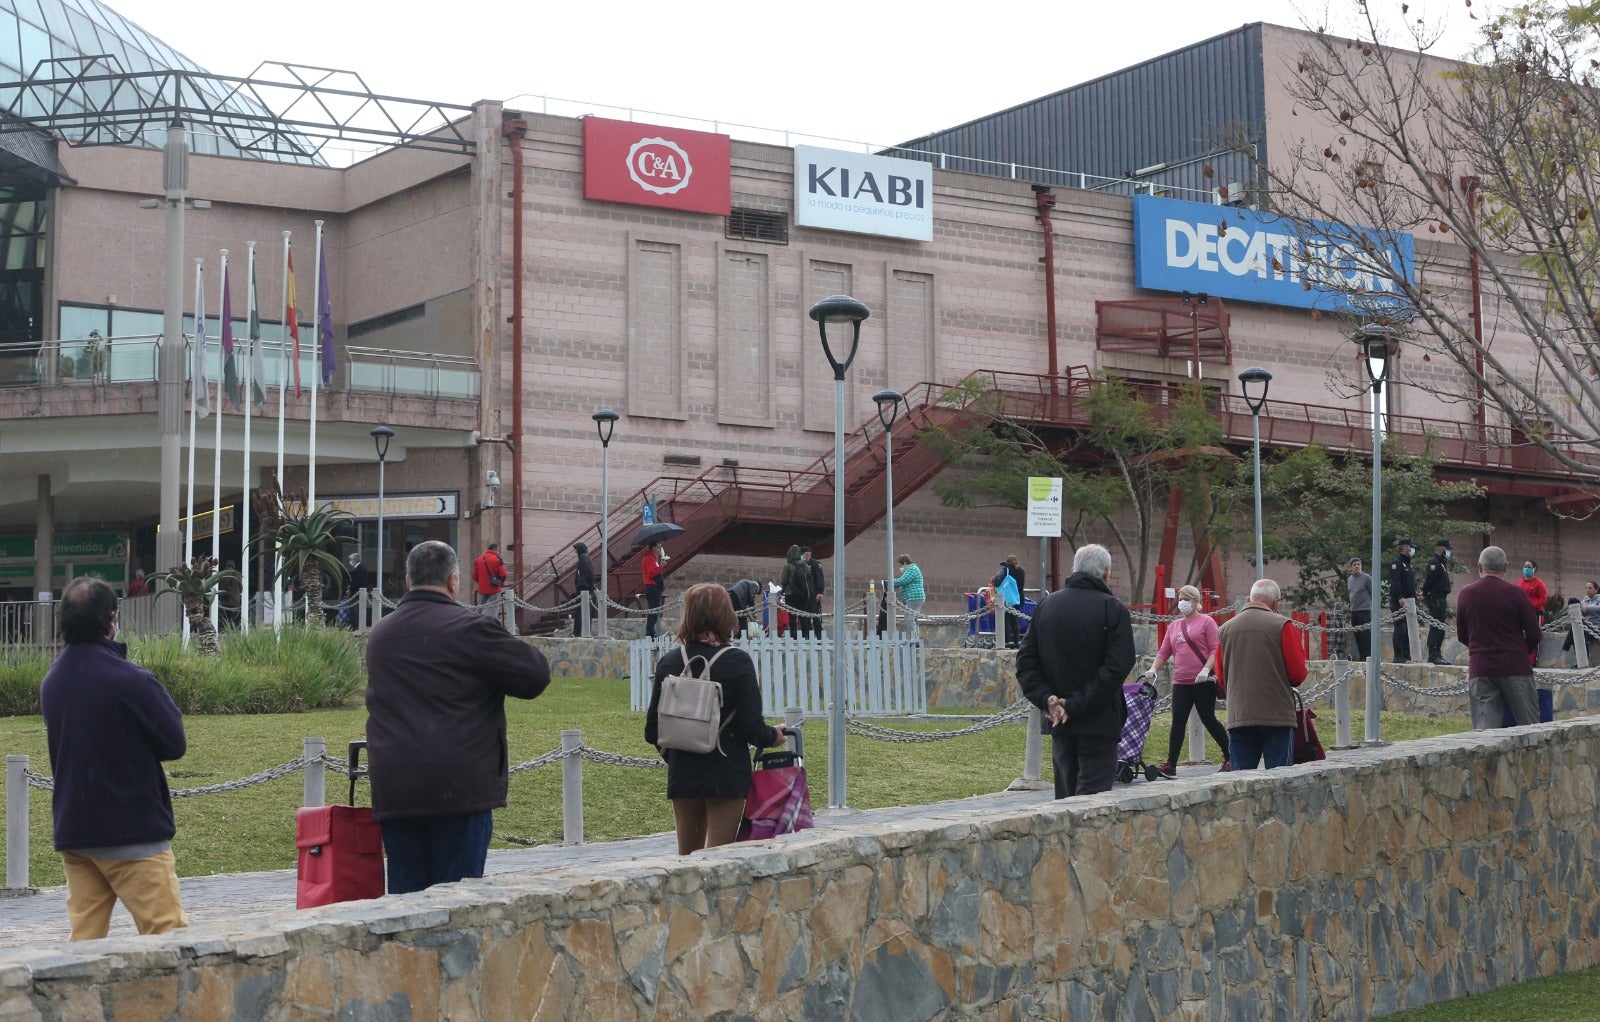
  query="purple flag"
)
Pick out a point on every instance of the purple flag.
point(330, 359)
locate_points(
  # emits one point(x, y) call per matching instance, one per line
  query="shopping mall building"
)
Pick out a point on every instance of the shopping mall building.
point(495, 283)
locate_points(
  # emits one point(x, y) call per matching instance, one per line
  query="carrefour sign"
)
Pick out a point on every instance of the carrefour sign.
point(1262, 257)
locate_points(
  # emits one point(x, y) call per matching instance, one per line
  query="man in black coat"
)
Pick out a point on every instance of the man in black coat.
point(1071, 664)
point(110, 725)
point(819, 583)
point(437, 680)
point(1435, 589)
point(584, 583)
point(1402, 589)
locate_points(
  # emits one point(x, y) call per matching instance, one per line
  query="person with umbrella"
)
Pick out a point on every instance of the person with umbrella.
point(652, 536)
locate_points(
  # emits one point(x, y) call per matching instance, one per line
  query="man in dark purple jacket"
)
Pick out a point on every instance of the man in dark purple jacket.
point(1497, 624)
point(437, 680)
point(110, 726)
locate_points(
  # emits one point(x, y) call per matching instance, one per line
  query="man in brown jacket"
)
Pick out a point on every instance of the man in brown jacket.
point(437, 679)
point(1260, 660)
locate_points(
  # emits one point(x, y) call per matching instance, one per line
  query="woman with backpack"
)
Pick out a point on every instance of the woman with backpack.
point(1010, 593)
point(708, 790)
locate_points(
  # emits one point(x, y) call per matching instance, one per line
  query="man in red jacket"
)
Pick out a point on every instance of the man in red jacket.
point(1500, 629)
point(1261, 659)
point(489, 573)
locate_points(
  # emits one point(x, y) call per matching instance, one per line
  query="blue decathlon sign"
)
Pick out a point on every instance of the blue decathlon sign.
point(1263, 257)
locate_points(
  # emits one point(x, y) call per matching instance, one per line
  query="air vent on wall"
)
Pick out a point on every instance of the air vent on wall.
point(687, 460)
point(758, 225)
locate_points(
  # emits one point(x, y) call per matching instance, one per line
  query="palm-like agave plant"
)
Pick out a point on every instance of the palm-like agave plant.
point(306, 542)
point(196, 584)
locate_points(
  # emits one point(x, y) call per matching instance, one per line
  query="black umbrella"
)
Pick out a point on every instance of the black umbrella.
point(660, 532)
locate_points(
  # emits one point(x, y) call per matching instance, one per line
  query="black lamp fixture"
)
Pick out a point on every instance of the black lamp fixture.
point(840, 309)
point(605, 423)
point(381, 435)
point(888, 406)
point(1254, 383)
point(1377, 351)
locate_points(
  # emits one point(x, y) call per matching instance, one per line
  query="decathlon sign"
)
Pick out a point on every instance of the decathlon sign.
point(1261, 257)
point(649, 165)
point(863, 194)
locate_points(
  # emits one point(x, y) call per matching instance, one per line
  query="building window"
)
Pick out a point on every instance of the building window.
point(758, 225)
point(910, 345)
point(744, 339)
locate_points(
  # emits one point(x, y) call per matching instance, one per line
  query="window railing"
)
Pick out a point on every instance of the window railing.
point(135, 359)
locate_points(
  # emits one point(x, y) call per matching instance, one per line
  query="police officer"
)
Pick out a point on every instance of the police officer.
point(1402, 587)
point(1435, 587)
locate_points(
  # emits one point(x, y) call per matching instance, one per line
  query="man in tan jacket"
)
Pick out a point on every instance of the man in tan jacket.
point(1260, 660)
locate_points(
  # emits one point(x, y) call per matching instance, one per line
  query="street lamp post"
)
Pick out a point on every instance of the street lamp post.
point(1374, 342)
point(1254, 382)
point(838, 309)
point(888, 410)
point(381, 435)
point(605, 423)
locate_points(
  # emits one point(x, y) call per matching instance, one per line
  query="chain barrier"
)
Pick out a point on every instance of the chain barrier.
point(859, 727)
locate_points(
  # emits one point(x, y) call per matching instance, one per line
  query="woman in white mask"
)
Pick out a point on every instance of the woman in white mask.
point(1191, 645)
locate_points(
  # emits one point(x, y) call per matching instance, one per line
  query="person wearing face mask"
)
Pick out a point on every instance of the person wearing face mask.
point(1402, 590)
point(1191, 645)
point(1435, 589)
point(1533, 586)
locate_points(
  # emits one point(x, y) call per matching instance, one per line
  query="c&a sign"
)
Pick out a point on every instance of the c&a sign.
point(648, 165)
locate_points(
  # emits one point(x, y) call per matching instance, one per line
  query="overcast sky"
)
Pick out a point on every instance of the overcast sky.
point(870, 71)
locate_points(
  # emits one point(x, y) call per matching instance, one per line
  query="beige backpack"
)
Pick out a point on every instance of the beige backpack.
point(689, 712)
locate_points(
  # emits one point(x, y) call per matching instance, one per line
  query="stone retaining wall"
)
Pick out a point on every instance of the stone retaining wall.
point(1383, 879)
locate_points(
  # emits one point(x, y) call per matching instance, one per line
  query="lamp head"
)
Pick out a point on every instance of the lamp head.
point(1377, 350)
point(381, 435)
point(888, 406)
point(840, 309)
point(1254, 382)
point(605, 423)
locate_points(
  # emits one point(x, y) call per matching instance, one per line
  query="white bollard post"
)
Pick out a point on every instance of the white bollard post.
point(1341, 704)
point(792, 718)
point(314, 792)
point(1197, 739)
point(1580, 641)
point(571, 788)
point(1414, 630)
point(588, 613)
point(1032, 755)
point(869, 627)
point(16, 822)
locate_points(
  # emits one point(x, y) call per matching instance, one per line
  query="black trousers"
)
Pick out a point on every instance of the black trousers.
point(1084, 764)
point(1402, 639)
point(1202, 698)
point(652, 599)
point(1361, 626)
point(1011, 625)
point(1437, 609)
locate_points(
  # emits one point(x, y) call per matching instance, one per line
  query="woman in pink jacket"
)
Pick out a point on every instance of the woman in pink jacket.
point(1191, 645)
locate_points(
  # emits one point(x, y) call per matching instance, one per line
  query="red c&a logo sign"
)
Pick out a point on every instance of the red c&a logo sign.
point(650, 165)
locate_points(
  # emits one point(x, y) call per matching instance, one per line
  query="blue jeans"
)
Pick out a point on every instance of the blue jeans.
point(427, 850)
point(1259, 745)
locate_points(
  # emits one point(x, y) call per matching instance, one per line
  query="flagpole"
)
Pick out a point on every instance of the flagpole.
point(251, 315)
point(216, 464)
point(283, 383)
point(316, 371)
point(194, 403)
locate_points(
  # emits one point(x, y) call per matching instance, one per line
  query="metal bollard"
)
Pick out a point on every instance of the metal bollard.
point(1341, 704)
point(1580, 641)
point(571, 788)
point(792, 718)
point(17, 822)
point(314, 790)
point(869, 625)
point(1033, 752)
point(587, 600)
point(1414, 630)
point(1197, 739)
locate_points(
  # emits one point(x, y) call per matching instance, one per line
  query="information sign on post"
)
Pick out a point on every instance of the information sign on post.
point(1044, 506)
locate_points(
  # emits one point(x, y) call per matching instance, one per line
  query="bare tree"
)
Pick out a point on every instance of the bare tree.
point(1494, 168)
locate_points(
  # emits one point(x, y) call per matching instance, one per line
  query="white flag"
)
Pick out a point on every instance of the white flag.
point(200, 386)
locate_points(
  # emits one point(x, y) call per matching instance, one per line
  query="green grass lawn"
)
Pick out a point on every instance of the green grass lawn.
point(1574, 997)
point(253, 829)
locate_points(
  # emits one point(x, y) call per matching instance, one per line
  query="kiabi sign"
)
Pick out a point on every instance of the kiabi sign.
point(863, 194)
point(1262, 257)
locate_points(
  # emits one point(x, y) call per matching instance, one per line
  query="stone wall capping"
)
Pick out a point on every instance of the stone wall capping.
point(244, 946)
point(14, 976)
point(46, 964)
point(405, 918)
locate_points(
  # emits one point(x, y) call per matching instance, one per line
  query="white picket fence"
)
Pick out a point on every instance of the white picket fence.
point(882, 678)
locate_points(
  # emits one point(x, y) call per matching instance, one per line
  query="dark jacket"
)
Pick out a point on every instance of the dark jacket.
point(1402, 581)
point(795, 580)
point(360, 577)
point(1080, 647)
point(744, 595)
point(1436, 580)
point(714, 774)
point(437, 678)
point(585, 576)
point(1497, 624)
point(1017, 573)
point(110, 725)
point(819, 583)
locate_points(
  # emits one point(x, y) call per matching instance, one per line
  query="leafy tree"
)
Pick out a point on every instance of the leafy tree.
point(1118, 468)
point(305, 541)
point(196, 584)
point(1321, 514)
point(1495, 162)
